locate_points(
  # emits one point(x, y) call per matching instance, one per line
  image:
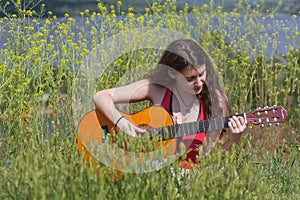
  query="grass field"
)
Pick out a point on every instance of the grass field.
point(51, 67)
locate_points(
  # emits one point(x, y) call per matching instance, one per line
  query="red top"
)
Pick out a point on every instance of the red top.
point(191, 142)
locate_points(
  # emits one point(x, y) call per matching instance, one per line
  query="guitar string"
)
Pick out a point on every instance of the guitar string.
point(212, 124)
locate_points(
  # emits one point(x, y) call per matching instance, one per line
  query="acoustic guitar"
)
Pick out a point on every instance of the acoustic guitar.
point(94, 128)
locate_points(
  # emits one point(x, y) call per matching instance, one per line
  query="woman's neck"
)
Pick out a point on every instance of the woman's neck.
point(186, 100)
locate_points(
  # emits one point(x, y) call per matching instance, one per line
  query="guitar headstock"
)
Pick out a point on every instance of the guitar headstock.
point(267, 116)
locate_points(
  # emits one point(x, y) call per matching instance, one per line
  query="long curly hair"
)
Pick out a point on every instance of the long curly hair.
point(184, 53)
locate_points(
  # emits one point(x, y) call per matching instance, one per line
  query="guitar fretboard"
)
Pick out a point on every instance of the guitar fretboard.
point(185, 129)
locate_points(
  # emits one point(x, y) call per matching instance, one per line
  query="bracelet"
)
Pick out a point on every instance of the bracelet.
point(118, 120)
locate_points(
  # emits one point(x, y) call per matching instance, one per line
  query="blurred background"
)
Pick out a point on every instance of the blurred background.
point(74, 7)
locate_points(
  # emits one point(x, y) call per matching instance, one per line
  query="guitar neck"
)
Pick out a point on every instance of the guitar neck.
point(185, 129)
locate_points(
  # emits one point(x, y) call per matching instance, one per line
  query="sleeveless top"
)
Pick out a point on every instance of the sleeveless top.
point(191, 142)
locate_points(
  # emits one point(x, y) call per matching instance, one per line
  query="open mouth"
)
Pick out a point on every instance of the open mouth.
point(197, 90)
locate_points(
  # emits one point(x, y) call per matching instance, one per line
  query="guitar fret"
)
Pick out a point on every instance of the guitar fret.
point(194, 127)
point(162, 135)
point(199, 127)
point(186, 129)
point(179, 128)
point(182, 128)
point(220, 123)
point(175, 130)
point(208, 126)
point(203, 126)
point(220, 126)
point(170, 131)
point(216, 125)
point(225, 123)
point(211, 124)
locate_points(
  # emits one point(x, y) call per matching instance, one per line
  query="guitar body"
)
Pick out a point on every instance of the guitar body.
point(94, 127)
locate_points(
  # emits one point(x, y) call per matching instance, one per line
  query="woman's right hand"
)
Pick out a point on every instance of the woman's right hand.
point(129, 128)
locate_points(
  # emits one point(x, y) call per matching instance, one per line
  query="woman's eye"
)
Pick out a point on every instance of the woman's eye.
point(189, 79)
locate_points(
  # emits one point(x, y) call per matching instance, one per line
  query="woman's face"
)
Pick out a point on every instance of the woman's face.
point(191, 79)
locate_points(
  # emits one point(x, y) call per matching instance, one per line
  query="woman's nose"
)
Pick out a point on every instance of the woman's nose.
point(199, 81)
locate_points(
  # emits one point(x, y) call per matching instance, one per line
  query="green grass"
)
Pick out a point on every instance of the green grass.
point(38, 147)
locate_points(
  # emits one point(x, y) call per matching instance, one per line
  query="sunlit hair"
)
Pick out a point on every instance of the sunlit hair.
point(184, 53)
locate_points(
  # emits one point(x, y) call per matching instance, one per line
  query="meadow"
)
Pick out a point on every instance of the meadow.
point(50, 68)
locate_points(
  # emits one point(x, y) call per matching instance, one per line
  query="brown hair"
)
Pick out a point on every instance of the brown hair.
point(183, 53)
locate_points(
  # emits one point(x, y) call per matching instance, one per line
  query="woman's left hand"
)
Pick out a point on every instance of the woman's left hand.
point(236, 126)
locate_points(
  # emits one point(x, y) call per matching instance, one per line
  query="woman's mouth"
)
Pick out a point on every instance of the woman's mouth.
point(197, 90)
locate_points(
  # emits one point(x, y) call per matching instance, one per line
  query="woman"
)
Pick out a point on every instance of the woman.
point(186, 85)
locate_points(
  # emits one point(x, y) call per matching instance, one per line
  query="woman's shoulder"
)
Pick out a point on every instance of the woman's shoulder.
point(156, 92)
point(148, 89)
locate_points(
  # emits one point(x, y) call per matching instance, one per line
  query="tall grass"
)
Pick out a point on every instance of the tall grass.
point(45, 88)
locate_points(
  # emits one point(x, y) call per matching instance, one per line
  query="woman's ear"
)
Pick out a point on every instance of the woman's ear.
point(171, 74)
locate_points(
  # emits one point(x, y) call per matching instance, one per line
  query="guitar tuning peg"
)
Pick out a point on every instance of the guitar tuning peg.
point(262, 125)
point(277, 124)
point(266, 107)
point(269, 125)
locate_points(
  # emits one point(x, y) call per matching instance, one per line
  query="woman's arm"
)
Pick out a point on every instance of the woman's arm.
point(105, 101)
